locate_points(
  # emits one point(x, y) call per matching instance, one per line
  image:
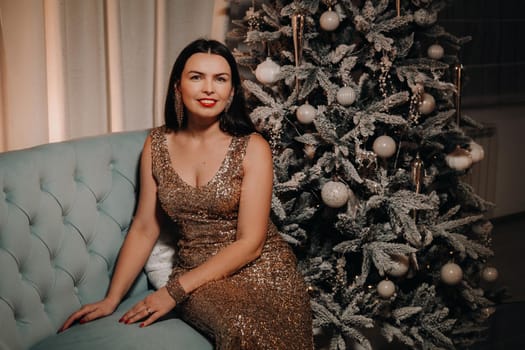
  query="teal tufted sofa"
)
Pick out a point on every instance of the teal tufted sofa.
point(65, 209)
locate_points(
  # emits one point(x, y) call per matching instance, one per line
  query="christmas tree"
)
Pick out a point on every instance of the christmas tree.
point(360, 102)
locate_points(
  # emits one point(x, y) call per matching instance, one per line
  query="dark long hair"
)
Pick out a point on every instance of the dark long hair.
point(236, 120)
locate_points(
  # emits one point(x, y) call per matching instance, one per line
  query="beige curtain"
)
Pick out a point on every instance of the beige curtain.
point(74, 68)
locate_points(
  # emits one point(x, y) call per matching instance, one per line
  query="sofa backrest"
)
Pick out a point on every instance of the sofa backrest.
point(64, 211)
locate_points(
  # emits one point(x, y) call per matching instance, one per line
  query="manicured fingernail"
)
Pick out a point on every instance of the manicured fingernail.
point(82, 321)
point(141, 325)
point(121, 320)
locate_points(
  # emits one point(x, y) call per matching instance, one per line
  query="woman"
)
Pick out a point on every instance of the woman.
point(235, 279)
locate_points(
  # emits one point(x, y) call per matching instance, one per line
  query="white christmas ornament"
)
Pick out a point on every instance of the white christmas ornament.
point(346, 96)
point(489, 274)
point(334, 194)
point(384, 146)
point(451, 273)
point(435, 52)
point(399, 267)
point(459, 159)
point(267, 72)
point(386, 288)
point(476, 152)
point(329, 20)
point(427, 104)
point(305, 113)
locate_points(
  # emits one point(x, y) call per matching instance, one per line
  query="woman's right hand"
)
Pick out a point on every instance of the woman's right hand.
point(90, 312)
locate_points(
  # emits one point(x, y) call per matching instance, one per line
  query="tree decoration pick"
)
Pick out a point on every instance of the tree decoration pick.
point(458, 68)
point(416, 167)
point(254, 21)
point(415, 99)
point(298, 40)
point(398, 8)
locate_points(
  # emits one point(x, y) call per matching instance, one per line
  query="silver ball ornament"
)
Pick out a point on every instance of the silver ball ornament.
point(334, 194)
point(329, 21)
point(384, 146)
point(346, 96)
point(436, 52)
point(427, 104)
point(451, 273)
point(476, 152)
point(489, 274)
point(305, 113)
point(386, 288)
point(459, 159)
point(399, 267)
point(267, 72)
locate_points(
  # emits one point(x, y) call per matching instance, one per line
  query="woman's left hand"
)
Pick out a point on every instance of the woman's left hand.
point(150, 309)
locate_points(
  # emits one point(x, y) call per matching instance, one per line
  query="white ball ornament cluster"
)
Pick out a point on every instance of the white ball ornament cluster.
point(436, 52)
point(386, 288)
point(267, 72)
point(346, 96)
point(384, 146)
point(334, 194)
point(329, 20)
point(305, 113)
point(451, 273)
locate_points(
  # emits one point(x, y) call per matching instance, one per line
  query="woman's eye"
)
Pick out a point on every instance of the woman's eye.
point(195, 77)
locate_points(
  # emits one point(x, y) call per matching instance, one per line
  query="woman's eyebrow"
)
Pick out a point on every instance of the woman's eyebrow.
point(201, 73)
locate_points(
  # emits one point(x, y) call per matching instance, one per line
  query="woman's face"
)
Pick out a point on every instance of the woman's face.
point(206, 85)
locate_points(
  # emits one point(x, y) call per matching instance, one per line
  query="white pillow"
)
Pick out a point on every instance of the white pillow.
point(160, 263)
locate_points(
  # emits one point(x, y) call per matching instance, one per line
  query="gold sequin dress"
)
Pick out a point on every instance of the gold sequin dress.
point(265, 304)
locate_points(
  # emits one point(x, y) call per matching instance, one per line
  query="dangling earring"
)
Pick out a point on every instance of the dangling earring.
point(179, 108)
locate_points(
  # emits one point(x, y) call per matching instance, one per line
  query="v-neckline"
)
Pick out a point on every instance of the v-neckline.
point(212, 179)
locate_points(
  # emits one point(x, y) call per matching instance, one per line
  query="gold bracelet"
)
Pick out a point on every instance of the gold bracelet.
point(175, 290)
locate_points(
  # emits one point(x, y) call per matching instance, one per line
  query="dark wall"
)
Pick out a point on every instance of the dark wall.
point(494, 60)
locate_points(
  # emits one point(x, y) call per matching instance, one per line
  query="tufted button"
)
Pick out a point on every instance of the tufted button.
point(76, 175)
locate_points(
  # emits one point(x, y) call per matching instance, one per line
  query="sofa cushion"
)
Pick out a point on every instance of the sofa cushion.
point(107, 333)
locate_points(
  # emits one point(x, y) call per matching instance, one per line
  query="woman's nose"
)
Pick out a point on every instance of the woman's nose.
point(208, 86)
